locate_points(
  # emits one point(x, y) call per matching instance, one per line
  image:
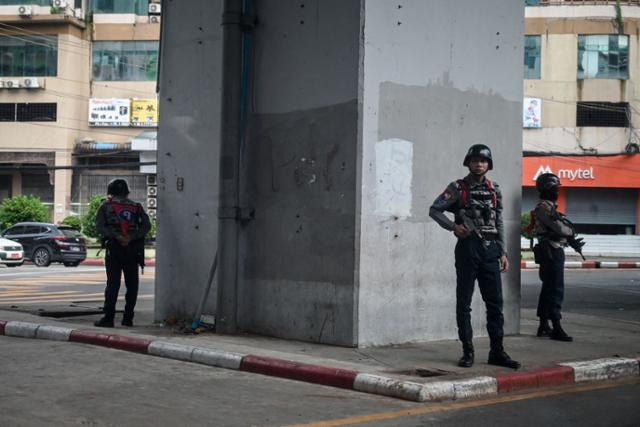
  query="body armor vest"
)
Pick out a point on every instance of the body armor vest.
point(478, 205)
point(123, 216)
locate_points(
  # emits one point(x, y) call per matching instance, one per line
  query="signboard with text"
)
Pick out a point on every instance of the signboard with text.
point(144, 112)
point(532, 113)
point(114, 112)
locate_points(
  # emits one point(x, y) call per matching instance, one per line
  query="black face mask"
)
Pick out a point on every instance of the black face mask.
point(551, 194)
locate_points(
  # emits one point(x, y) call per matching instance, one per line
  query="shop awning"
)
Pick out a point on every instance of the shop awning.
point(145, 141)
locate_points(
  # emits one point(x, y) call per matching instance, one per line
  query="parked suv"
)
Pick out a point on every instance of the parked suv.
point(46, 243)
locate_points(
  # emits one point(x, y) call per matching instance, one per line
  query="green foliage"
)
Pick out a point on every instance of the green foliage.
point(89, 219)
point(152, 230)
point(525, 220)
point(54, 10)
point(73, 221)
point(22, 208)
point(619, 22)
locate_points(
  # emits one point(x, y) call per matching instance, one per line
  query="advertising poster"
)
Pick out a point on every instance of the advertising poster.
point(532, 113)
point(109, 112)
point(144, 112)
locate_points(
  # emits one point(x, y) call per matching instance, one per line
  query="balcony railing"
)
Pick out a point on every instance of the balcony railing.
point(581, 2)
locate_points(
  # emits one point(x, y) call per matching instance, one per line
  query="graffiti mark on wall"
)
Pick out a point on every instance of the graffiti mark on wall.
point(394, 175)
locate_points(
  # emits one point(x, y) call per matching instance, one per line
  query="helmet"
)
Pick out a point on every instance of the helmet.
point(478, 150)
point(118, 187)
point(547, 182)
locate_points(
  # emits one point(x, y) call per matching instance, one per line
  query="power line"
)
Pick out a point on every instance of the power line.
point(49, 37)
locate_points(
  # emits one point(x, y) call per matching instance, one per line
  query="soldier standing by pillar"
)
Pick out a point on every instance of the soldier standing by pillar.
point(554, 232)
point(480, 253)
point(123, 224)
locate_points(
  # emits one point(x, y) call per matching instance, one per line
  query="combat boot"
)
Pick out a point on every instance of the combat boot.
point(499, 357)
point(558, 333)
point(466, 361)
point(544, 330)
point(104, 323)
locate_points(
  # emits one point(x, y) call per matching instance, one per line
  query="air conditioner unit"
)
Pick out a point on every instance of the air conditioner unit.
point(152, 213)
point(154, 9)
point(151, 180)
point(12, 84)
point(154, 19)
point(152, 191)
point(1, 84)
point(25, 11)
point(152, 202)
point(78, 13)
point(31, 83)
point(62, 4)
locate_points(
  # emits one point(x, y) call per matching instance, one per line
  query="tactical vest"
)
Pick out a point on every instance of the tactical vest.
point(478, 203)
point(123, 217)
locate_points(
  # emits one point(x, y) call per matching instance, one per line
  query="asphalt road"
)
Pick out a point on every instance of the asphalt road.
point(68, 384)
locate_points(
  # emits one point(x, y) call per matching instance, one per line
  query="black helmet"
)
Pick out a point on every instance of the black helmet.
point(118, 187)
point(478, 150)
point(547, 181)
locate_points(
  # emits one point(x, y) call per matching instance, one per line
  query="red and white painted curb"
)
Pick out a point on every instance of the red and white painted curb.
point(100, 261)
point(587, 264)
point(564, 373)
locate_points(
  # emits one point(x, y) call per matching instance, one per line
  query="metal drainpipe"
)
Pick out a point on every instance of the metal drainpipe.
point(229, 211)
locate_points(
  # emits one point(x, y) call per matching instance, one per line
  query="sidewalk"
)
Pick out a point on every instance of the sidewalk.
point(573, 262)
point(603, 349)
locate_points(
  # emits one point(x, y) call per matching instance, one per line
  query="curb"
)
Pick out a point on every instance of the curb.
point(564, 373)
point(100, 262)
point(586, 264)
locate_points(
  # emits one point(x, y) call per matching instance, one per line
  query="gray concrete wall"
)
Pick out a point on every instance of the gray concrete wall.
point(437, 77)
point(300, 167)
point(188, 148)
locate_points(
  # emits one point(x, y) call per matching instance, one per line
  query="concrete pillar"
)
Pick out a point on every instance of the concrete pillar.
point(62, 187)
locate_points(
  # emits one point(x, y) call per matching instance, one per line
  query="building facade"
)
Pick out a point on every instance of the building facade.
point(581, 110)
point(77, 98)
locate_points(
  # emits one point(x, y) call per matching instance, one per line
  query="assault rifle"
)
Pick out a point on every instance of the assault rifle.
point(575, 243)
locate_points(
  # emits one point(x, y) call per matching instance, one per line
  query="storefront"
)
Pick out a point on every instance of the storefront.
point(601, 194)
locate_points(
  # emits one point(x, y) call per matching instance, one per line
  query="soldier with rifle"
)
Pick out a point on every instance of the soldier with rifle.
point(480, 253)
point(554, 231)
point(123, 224)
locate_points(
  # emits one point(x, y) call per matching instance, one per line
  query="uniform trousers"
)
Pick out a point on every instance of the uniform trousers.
point(120, 259)
point(551, 274)
point(476, 260)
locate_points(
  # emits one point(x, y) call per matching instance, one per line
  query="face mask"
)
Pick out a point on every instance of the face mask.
point(551, 194)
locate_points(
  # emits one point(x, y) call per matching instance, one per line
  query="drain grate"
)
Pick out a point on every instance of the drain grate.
point(421, 372)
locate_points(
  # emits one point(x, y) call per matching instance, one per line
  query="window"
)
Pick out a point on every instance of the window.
point(28, 56)
point(7, 112)
point(603, 57)
point(531, 57)
point(14, 231)
point(36, 112)
point(139, 7)
point(125, 61)
point(531, 2)
point(603, 114)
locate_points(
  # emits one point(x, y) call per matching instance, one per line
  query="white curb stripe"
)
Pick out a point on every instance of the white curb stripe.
point(608, 264)
point(388, 387)
point(573, 264)
point(473, 387)
point(21, 329)
point(170, 350)
point(603, 369)
point(530, 264)
point(55, 333)
point(439, 390)
point(222, 359)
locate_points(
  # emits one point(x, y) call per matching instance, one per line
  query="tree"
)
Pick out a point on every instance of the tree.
point(22, 208)
point(89, 219)
point(525, 220)
point(73, 221)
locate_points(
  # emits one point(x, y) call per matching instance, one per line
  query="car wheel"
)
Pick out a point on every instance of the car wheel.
point(42, 257)
point(71, 264)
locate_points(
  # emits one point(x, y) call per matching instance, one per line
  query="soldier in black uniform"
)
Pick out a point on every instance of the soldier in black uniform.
point(476, 203)
point(123, 224)
point(553, 232)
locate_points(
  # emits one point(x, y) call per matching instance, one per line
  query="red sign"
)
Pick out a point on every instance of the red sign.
point(620, 171)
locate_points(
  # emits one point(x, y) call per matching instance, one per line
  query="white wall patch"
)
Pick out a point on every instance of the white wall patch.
point(394, 175)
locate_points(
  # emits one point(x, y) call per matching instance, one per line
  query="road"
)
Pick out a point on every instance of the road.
point(55, 383)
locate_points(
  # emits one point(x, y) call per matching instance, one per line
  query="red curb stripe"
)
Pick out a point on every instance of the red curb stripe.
point(90, 337)
point(343, 378)
point(523, 264)
point(137, 345)
point(100, 262)
point(2, 323)
point(534, 379)
point(589, 264)
point(626, 265)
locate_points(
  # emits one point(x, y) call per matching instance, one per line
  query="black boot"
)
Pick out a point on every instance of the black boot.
point(544, 330)
point(499, 357)
point(466, 361)
point(104, 323)
point(558, 333)
point(127, 319)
